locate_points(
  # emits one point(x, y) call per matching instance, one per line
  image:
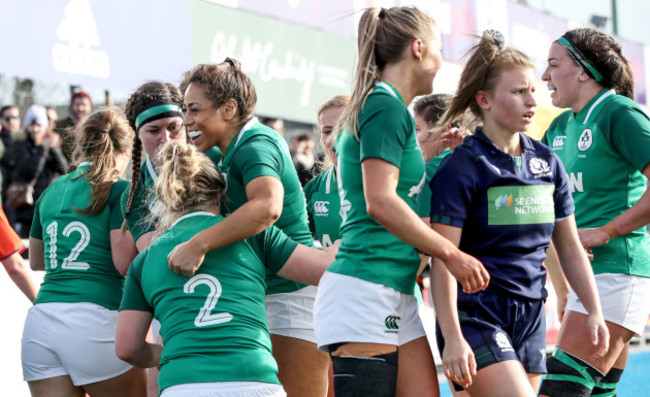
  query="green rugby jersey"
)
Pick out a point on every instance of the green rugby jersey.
point(368, 251)
point(604, 148)
point(144, 199)
point(78, 262)
point(323, 206)
point(214, 323)
point(257, 151)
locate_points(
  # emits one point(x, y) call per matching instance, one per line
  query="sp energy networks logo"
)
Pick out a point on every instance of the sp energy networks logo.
point(520, 205)
point(77, 35)
point(503, 201)
point(392, 324)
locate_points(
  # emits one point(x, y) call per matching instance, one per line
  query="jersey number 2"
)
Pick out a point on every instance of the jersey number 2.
point(70, 261)
point(205, 316)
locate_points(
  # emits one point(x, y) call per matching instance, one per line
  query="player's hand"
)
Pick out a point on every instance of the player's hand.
point(458, 361)
point(454, 137)
point(599, 335)
point(432, 143)
point(593, 237)
point(469, 272)
point(185, 259)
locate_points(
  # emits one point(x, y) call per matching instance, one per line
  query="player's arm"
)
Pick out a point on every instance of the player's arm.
point(144, 241)
point(307, 265)
point(130, 339)
point(578, 272)
point(560, 283)
point(15, 267)
point(632, 219)
point(265, 196)
point(123, 250)
point(458, 358)
point(380, 180)
point(36, 254)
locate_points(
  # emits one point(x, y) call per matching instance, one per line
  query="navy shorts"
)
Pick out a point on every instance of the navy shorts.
point(501, 328)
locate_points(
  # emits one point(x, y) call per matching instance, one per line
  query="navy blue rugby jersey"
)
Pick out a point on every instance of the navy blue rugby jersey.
point(507, 210)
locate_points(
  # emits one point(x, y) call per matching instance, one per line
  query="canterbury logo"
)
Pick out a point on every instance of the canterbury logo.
point(391, 322)
point(558, 141)
point(320, 207)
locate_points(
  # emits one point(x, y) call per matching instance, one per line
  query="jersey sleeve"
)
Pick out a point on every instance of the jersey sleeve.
point(452, 188)
point(384, 129)
point(630, 135)
point(258, 157)
point(273, 247)
point(133, 297)
point(562, 197)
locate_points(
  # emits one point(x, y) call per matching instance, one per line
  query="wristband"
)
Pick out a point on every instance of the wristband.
point(610, 229)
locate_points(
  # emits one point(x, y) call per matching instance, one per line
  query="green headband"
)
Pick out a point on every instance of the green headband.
point(580, 59)
point(156, 113)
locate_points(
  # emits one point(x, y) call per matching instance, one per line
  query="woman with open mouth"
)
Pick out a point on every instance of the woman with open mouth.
point(603, 141)
point(262, 189)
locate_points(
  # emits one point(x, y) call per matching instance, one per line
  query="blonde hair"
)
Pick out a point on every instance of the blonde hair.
point(383, 36)
point(482, 72)
point(188, 180)
point(338, 101)
point(105, 133)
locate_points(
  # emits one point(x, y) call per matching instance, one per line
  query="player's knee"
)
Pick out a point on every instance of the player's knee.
point(365, 376)
point(569, 376)
point(608, 385)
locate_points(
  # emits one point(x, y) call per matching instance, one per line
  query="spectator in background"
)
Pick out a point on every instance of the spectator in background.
point(28, 154)
point(52, 137)
point(302, 154)
point(9, 123)
point(276, 124)
point(81, 105)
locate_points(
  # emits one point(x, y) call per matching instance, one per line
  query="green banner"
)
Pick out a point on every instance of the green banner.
point(294, 68)
point(521, 205)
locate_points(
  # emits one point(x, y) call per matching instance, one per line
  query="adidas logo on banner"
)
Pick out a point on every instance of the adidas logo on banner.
point(78, 31)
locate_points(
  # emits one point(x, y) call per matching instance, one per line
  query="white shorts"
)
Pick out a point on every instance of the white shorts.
point(292, 314)
point(225, 389)
point(625, 300)
point(74, 339)
point(349, 309)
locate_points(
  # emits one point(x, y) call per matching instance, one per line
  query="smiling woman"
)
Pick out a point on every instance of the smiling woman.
point(603, 137)
point(262, 190)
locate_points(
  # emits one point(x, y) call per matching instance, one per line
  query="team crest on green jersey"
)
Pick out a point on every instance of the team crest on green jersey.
point(585, 140)
point(520, 205)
